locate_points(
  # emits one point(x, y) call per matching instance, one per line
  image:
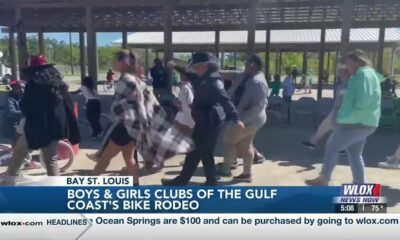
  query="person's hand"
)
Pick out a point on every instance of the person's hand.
point(240, 125)
point(171, 64)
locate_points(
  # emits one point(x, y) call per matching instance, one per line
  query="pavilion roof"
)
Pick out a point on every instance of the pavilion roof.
point(200, 15)
point(359, 35)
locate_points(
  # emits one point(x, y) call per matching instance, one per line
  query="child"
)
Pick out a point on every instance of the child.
point(276, 86)
point(288, 91)
point(329, 122)
point(93, 105)
point(183, 120)
point(12, 122)
point(110, 75)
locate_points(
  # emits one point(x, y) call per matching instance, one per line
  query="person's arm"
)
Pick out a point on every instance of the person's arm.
point(188, 98)
point(257, 102)
point(188, 75)
point(168, 75)
point(360, 90)
point(127, 97)
point(13, 112)
point(152, 73)
point(79, 91)
point(222, 98)
point(180, 69)
point(27, 99)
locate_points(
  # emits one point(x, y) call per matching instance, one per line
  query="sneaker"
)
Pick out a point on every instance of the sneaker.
point(171, 182)
point(93, 157)
point(244, 178)
point(221, 173)
point(32, 165)
point(391, 159)
point(391, 163)
point(258, 159)
point(317, 182)
point(220, 166)
point(308, 144)
point(210, 184)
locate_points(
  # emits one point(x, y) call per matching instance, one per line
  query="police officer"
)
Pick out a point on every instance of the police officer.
point(209, 105)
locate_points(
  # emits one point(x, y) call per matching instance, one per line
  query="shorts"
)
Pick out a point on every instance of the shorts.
point(120, 136)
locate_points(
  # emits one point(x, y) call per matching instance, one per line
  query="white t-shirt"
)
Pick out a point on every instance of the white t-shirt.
point(185, 97)
point(88, 94)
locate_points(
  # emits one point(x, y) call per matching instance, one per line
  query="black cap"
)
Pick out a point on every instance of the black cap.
point(202, 57)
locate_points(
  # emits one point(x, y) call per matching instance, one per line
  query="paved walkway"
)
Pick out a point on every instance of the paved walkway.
point(288, 164)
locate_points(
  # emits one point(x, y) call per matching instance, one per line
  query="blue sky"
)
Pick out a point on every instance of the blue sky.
point(103, 39)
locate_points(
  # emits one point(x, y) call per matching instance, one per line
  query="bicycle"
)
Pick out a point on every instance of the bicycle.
point(108, 86)
point(65, 155)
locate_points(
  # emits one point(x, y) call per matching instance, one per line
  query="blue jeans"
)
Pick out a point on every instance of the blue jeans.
point(349, 138)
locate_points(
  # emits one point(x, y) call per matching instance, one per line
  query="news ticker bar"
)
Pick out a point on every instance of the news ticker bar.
point(199, 226)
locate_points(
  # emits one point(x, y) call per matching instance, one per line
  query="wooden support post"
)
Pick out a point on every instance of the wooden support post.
point(267, 50)
point(167, 18)
point(392, 62)
point(12, 50)
point(277, 63)
point(321, 63)
point(381, 49)
point(125, 39)
point(234, 60)
point(41, 42)
point(305, 62)
point(216, 44)
point(22, 45)
point(280, 62)
point(347, 15)
point(222, 60)
point(146, 59)
point(82, 55)
point(374, 58)
point(91, 45)
point(328, 65)
point(251, 30)
point(336, 66)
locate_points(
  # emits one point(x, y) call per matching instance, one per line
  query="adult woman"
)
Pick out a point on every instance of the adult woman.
point(93, 105)
point(209, 96)
point(358, 117)
point(128, 99)
point(327, 124)
point(49, 116)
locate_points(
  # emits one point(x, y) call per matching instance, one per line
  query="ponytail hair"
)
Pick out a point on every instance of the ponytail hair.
point(129, 57)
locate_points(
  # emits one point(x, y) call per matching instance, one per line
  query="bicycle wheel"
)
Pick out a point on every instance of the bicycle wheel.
point(5, 155)
point(111, 86)
point(105, 87)
point(64, 156)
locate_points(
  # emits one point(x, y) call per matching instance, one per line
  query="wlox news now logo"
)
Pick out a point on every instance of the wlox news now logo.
point(360, 193)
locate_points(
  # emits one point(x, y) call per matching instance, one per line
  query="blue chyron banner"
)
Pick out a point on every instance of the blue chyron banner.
point(168, 199)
